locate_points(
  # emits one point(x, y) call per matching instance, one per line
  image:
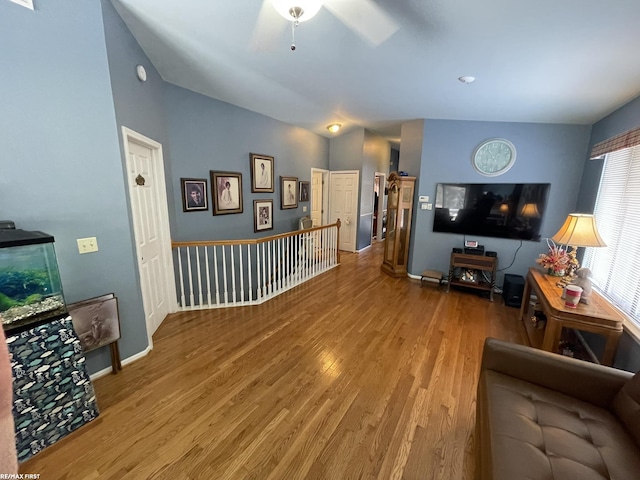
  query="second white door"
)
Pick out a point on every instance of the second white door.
point(151, 226)
point(343, 204)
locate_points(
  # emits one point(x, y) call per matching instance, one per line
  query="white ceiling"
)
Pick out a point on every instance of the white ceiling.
point(551, 61)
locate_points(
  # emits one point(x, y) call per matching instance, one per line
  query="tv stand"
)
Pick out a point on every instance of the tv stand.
point(470, 272)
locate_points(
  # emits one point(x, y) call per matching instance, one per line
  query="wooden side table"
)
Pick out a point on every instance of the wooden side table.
point(598, 317)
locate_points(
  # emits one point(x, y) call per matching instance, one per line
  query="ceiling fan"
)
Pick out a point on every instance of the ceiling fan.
point(364, 17)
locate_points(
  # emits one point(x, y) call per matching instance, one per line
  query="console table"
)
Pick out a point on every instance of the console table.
point(598, 317)
point(477, 263)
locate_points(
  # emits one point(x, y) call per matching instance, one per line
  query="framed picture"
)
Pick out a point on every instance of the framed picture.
point(304, 191)
point(262, 215)
point(194, 194)
point(96, 321)
point(288, 194)
point(262, 168)
point(226, 190)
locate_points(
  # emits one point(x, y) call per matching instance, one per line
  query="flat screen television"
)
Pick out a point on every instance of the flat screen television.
point(503, 210)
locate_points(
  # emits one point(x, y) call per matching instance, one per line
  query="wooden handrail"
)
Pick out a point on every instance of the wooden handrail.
point(255, 241)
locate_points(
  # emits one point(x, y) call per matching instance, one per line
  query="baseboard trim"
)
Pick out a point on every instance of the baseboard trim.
point(106, 371)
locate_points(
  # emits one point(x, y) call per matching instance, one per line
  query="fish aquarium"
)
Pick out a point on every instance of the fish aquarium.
point(30, 286)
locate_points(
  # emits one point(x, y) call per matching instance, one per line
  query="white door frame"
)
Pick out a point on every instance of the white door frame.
point(325, 193)
point(357, 217)
point(378, 233)
point(168, 283)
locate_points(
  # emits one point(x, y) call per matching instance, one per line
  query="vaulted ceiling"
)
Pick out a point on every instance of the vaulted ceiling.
point(570, 61)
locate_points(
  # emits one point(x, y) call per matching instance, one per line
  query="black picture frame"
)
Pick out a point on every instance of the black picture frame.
point(304, 191)
point(262, 173)
point(262, 215)
point(288, 192)
point(226, 191)
point(195, 196)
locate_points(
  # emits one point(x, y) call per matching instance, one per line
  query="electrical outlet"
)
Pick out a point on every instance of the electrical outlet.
point(87, 245)
point(429, 206)
point(423, 206)
point(304, 209)
point(423, 198)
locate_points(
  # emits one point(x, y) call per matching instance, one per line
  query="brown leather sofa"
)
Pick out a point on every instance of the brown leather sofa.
point(544, 416)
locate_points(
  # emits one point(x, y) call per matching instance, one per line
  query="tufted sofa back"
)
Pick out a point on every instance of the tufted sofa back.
point(626, 406)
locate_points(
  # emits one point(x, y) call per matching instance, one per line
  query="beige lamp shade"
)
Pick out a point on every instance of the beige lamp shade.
point(579, 230)
point(530, 210)
point(504, 208)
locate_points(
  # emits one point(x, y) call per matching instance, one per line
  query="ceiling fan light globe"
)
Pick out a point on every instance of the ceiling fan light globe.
point(309, 8)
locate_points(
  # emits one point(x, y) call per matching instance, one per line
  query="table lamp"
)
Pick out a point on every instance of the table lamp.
point(579, 230)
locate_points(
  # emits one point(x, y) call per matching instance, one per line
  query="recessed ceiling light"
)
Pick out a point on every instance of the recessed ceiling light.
point(467, 79)
point(334, 127)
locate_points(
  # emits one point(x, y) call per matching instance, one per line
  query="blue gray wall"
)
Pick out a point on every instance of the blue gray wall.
point(623, 119)
point(60, 157)
point(207, 134)
point(545, 154)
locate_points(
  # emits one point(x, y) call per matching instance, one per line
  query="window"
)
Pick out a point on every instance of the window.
point(616, 269)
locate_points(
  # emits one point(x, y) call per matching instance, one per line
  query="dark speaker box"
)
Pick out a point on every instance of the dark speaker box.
point(457, 250)
point(491, 254)
point(512, 290)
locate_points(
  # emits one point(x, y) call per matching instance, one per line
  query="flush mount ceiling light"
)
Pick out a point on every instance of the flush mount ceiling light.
point(334, 127)
point(467, 79)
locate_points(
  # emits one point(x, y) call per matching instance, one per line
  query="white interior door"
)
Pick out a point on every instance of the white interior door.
point(316, 197)
point(145, 173)
point(344, 205)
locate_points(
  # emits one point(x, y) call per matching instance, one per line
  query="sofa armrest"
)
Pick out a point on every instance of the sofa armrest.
point(592, 383)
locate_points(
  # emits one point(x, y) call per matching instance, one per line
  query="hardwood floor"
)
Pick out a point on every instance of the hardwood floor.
point(351, 375)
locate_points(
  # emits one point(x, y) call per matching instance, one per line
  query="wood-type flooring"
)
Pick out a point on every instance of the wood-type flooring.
point(353, 375)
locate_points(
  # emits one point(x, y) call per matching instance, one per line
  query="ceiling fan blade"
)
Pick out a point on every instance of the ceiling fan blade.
point(269, 29)
point(365, 18)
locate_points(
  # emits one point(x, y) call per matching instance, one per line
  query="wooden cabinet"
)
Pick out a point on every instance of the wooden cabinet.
point(600, 316)
point(470, 271)
point(399, 212)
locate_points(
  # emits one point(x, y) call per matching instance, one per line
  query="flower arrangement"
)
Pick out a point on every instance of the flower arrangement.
point(559, 261)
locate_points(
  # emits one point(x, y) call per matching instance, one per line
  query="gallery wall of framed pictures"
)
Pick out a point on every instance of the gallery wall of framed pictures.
point(227, 192)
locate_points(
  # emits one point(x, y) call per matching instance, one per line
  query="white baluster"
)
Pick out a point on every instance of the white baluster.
point(215, 266)
point(199, 278)
point(241, 275)
point(272, 264)
point(264, 271)
point(206, 269)
point(224, 275)
point(183, 300)
point(191, 297)
point(233, 276)
point(249, 269)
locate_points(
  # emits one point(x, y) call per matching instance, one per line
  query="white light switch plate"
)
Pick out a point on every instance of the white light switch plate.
point(423, 206)
point(87, 245)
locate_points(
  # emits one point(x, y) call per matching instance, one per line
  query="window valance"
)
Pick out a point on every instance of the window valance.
point(630, 138)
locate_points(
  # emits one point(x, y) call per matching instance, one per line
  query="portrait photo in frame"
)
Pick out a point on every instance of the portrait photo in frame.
point(262, 168)
point(304, 191)
point(194, 194)
point(262, 215)
point(226, 190)
point(288, 192)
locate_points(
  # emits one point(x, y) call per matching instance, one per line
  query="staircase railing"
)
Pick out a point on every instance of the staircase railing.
point(227, 273)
